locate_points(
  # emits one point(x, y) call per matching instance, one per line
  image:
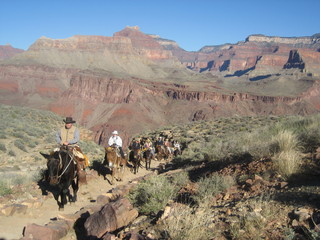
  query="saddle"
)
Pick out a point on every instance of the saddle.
point(113, 149)
point(77, 155)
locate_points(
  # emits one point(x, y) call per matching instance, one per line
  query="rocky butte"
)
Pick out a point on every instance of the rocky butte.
point(134, 81)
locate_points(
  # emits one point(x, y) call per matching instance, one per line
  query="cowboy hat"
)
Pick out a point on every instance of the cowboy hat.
point(115, 132)
point(69, 120)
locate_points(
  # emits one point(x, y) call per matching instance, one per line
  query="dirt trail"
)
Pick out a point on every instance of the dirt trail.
point(11, 227)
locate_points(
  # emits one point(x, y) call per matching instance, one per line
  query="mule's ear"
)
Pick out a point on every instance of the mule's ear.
point(46, 156)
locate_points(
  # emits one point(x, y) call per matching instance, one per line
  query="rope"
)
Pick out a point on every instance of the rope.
point(59, 177)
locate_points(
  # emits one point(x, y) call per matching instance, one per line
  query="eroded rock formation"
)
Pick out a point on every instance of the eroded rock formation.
point(133, 82)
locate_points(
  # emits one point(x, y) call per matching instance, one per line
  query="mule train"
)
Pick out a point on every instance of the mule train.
point(140, 153)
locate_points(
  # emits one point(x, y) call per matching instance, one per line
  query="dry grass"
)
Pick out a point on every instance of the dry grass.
point(188, 223)
point(287, 158)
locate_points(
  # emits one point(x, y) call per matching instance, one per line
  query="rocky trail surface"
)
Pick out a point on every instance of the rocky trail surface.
point(40, 209)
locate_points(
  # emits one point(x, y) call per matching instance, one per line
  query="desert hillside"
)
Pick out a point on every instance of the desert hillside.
point(237, 178)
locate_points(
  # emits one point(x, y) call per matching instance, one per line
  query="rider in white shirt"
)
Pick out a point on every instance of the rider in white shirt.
point(116, 140)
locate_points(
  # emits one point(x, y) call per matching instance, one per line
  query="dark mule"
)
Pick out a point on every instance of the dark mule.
point(148, 156)
point(135, 157)
point(115, 163)
point(61, 174)
point(162, 154)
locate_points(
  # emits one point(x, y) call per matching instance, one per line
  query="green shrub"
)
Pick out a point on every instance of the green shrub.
point(4, 190)
point(210, 186)
point(151, 195)
point(20, 144)
point(3, 147)
point(310, 139)
point(12, 153)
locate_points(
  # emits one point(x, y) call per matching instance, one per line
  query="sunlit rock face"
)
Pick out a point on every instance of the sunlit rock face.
point(133, 82)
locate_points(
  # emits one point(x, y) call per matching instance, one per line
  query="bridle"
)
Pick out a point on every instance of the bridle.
point(57, 176)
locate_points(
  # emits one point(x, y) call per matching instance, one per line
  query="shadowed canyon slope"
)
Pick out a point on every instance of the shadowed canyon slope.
point(133, 81)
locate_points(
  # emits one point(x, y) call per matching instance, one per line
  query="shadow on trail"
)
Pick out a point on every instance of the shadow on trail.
point(101, 169)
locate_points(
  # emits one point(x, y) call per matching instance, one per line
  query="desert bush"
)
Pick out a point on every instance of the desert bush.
point(32, 143)
point(188, 223)
point(151, 195)
point(3, 147)
point(11, 153)
point(287, 163)
point(90, 147)
point(39, 175)
point(287, 157)
point(20, 144)
point(222, 149)
point(4, 189)
point(310, 139)
point(257, 143)
point(210, 186)
point(18, 134)
point(285, 141)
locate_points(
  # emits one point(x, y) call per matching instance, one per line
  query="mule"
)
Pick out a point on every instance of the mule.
point(115, 163)
point(62, 172)
point(135, 157)
point(161, 152)
point(177, 151)
point(148, 156)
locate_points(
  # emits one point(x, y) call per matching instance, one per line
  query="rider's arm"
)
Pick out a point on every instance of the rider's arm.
point(58, 137)
point(119, 141)
point(110, 142)
point(76, 137)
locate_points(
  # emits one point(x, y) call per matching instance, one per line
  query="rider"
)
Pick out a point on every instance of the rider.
point(167, 144)
point(69, 135)
point(177, 146)
point(115, 140)
point(136, 144)
point(148, 145)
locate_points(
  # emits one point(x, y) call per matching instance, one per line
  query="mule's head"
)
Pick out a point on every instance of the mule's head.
point(53, 165)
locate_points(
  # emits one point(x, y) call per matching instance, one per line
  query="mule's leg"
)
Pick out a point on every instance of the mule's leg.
point(75, 187)
point(135, 166)
point(65, 193)
point(112, 175)
point(138, 165)
point(121, 172)
point(63, 196)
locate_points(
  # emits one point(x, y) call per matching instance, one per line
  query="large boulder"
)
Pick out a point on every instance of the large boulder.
point(52, 231)
point(111, 217)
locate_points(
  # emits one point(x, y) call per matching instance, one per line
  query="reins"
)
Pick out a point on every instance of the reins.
point(65, 169)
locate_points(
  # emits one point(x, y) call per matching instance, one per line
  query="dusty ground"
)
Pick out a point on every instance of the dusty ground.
point(11, 227)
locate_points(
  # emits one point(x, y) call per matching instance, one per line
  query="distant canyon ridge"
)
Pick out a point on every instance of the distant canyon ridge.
point(134, 82)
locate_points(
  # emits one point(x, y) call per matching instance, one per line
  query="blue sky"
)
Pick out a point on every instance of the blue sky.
point(192, 24)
